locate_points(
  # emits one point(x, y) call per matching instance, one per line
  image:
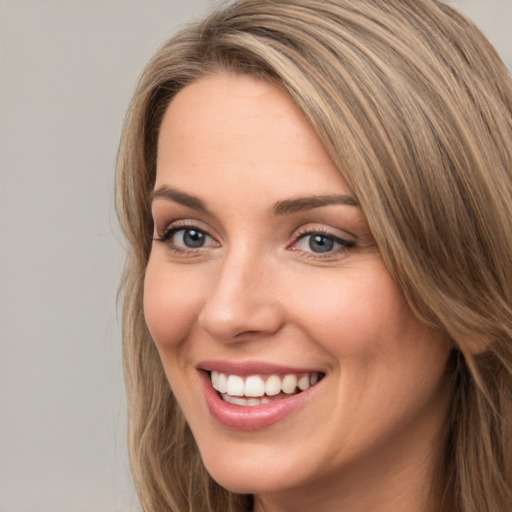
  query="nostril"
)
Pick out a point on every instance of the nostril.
point(238, 310)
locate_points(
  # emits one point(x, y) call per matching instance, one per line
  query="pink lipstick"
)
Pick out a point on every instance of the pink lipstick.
point(251, 396)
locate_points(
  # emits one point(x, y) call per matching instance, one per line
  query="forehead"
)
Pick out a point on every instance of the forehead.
point(245, 133)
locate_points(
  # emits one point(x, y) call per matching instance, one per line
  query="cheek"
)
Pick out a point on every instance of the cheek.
point(351, 313)
point(171, 306)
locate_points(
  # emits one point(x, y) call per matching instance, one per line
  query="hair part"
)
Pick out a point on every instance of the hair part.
point(414, 107)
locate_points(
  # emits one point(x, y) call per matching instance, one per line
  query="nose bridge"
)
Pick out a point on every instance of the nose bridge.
point(241, 300)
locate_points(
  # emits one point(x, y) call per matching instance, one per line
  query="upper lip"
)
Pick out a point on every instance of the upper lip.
point(245, 368)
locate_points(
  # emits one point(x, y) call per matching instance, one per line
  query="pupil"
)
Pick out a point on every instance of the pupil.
point(193, 238)
point(320, 243)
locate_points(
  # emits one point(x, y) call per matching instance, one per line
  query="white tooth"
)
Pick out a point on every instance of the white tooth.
point(289, 384)
point(251, 402)
point(222, 383)
point(254, 386)
point(303, 383)
point(215, 379)
point(314, 378)
point(273, 385)
point(235, 400)
point(235, 386)
point(265, 400)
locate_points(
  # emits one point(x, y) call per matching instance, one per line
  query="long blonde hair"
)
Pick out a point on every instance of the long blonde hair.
point(415, 108)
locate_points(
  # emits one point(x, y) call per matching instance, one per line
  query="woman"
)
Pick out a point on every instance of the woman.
point(317, 197)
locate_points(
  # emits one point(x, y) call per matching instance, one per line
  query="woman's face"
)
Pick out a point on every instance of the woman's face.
point(263, 275)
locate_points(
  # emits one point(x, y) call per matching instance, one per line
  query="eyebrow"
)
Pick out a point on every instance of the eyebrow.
point(284, 207)
point(171, 194)
point(309, 203)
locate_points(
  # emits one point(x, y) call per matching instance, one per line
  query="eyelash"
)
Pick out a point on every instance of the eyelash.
point(344, 245)
point(303, 233)
point(167, 234)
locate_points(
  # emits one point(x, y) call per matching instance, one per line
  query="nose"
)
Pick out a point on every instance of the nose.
point(242, 302)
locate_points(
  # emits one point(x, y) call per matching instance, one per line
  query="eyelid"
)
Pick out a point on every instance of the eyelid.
point(345, 244)
point(165, 235)
point(311, 229)
point(161, 228)
point(164, 213)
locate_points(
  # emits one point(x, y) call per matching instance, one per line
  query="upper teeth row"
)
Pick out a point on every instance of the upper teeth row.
point(254, 385)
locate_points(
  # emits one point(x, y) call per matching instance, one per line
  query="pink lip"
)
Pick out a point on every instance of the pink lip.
point(259, 416)
point(251, 368)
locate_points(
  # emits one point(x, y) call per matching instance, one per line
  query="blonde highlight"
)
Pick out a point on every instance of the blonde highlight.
point(415, 108)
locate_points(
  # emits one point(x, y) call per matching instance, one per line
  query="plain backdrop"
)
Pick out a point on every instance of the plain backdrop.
point(67, 71)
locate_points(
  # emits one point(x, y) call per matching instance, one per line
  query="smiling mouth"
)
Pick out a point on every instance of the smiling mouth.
point(254, 390)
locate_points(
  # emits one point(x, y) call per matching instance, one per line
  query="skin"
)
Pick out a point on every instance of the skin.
point(257, 291)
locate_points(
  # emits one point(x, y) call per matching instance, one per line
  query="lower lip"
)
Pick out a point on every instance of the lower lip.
point(256, 417)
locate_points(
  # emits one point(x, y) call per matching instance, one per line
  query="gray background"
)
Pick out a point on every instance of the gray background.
point(67, 70)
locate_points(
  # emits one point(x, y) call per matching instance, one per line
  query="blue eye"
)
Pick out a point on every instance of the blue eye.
point(190, 238)
point(321, 243)
point(180, 238)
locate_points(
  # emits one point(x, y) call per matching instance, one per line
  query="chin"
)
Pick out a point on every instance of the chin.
point(238, 476)
point(248, 482)
point(241, 472)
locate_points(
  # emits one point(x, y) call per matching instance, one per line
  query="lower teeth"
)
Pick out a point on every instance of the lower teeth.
point(251, 402)
point(266, 399)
